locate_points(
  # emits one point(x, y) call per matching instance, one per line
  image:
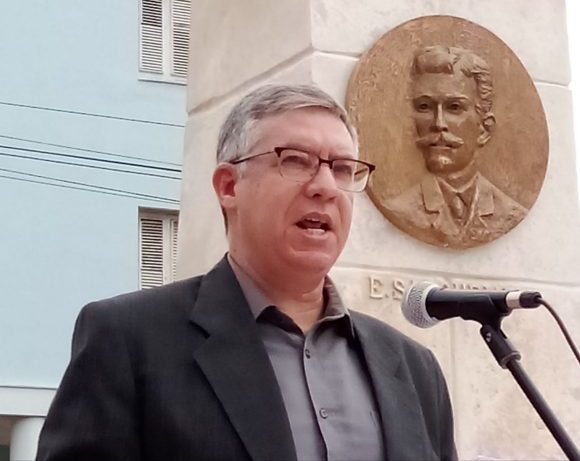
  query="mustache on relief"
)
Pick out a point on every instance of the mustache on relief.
point(440, 139)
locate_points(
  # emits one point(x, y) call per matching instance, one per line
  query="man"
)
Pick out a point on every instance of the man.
point(452, 96)
point(257, 359)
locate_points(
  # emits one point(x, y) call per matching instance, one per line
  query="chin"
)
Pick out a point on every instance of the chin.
point(315, 261)
point(437, 162)
point(441, 167)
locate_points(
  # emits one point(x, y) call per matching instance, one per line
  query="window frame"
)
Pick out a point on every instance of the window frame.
point(169, 243)
point(167, 47)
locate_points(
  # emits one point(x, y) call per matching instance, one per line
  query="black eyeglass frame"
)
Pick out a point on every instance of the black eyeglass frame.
point(278, 151)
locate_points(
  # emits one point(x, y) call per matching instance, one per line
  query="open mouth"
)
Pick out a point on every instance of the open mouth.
point(314, 224)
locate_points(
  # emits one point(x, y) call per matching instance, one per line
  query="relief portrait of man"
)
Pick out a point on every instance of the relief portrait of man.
point(454, 204)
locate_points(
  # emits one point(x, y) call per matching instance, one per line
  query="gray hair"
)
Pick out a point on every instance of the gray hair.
point(442, 59)
point(236, 133)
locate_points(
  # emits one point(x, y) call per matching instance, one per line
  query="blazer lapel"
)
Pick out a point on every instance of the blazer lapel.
point(236, 364)
point(404, 433)
point(435, 206)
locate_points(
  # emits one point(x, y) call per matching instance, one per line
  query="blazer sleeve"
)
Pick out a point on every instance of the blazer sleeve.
point(94, 414)
point(447, 448)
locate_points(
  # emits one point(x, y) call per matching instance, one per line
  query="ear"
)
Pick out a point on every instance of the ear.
point(224, 179)
point(486, 127)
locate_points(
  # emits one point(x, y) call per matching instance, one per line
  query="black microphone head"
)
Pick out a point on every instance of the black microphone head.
point(414, 304)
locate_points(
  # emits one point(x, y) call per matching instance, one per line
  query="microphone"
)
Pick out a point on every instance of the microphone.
point(425, 304)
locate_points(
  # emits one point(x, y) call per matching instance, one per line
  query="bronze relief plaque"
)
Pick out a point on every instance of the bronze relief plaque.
point(456, 128)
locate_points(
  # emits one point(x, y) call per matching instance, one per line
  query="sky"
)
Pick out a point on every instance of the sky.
point(573, 13)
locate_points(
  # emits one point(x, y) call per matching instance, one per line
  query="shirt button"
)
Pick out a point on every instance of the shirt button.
point(307, 353)
point(323, 413)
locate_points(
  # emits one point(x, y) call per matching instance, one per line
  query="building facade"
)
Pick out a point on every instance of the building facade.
point(92, 113)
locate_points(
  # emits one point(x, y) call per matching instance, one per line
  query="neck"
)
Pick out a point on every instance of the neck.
point(304, 310)
point(300, 298)
point(461, 180)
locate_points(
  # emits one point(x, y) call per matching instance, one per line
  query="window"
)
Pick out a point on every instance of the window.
point(164, 40)
point(157, 247)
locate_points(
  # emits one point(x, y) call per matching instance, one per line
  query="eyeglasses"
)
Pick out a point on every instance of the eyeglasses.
point(349, 174)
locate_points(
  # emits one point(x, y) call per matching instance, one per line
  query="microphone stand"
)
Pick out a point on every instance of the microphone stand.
point(508, 357)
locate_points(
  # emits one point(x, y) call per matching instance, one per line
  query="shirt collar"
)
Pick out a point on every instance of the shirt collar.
point(258, 301)
point(466, 193)
point(255, 297)
point(433, 198)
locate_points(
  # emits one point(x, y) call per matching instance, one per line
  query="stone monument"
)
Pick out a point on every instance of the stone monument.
point(236, 46)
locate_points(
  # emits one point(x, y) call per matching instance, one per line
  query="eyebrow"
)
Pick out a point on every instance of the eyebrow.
point(296, 145)
point(451, 96)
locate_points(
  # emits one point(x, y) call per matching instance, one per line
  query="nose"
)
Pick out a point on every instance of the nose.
point(439, 123)
point(323, 184)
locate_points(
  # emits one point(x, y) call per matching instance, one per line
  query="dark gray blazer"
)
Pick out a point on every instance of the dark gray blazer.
point(180, 373)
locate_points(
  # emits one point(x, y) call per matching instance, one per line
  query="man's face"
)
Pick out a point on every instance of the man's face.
point(448, 126)
point(271, 214)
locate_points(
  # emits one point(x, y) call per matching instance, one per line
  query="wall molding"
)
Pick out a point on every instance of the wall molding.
point(25, 401)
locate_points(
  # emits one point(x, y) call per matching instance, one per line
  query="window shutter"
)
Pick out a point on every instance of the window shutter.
point(174, 228)
point(151, 59)
point(157, 247)
point(180, 19)
point(151, 250)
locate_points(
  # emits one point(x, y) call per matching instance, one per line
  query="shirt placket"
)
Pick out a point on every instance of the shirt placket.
point(320, 398)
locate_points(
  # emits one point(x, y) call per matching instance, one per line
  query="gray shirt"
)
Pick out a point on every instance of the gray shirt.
point(322, 376)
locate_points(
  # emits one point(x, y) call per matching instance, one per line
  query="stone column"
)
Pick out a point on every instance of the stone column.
point(24, 438)
point(236, 46)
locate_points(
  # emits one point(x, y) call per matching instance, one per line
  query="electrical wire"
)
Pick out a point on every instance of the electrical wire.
point(133, 157)
point(560, 323)
point(81, 188)
point(89, 114)
point(92, 159)
point(77, 183)
point(59, 162)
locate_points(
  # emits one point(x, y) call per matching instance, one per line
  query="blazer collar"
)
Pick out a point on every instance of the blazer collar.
point(404, 433)
point(235, 362)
